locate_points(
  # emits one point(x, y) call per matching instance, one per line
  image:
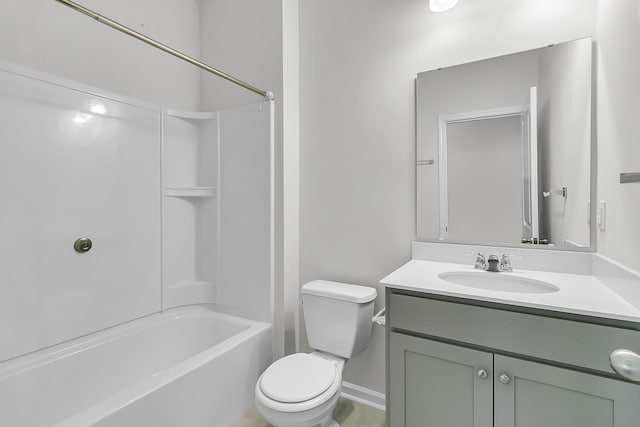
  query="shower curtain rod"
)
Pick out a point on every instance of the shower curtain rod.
point(115, 25)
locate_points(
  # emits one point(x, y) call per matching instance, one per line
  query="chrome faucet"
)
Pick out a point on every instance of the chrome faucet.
point(505, 262)
point(480, 261)
point(493, 263)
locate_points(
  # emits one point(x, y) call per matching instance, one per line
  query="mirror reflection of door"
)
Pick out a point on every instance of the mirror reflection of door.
point(484, 179)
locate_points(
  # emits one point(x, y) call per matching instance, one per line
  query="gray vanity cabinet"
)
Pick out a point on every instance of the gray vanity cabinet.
point(436, 384)
point(537, 395)
point(463, 365)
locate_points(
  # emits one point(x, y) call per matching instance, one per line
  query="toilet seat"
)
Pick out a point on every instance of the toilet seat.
point(297, 378)
point(295, 361)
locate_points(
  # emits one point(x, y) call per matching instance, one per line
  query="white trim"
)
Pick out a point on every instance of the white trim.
point(363, 395)
point(491, 113)
point(442, 176)
point(533, 134)
point(443, 121)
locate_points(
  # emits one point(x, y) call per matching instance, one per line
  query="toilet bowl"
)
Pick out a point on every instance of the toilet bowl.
point(300, 390)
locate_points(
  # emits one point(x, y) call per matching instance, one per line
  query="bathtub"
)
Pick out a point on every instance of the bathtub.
point(185, 367)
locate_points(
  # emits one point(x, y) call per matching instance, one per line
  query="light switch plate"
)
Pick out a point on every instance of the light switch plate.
point(601, 215)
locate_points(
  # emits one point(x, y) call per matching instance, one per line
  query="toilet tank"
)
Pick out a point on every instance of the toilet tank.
point(338, 316)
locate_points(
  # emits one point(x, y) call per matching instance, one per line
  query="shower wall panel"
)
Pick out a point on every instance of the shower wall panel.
point(74, 163)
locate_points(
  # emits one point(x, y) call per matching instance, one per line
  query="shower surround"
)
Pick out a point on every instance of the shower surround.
point(174, 202)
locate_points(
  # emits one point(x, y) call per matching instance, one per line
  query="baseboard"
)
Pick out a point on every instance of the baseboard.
point(363, 395)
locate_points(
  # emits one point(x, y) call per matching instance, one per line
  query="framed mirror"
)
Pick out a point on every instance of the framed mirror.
point(506, 150)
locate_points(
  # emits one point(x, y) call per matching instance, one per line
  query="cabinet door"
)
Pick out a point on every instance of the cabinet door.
point(538, 395)
point(438, 385)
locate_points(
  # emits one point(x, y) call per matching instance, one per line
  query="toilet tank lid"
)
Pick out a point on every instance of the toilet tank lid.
point(342, 291)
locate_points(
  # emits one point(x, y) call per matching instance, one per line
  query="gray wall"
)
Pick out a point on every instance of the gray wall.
point(50, 37)
point(618, 130)
point(358, 63)
point(256, 41)
point(564, 138)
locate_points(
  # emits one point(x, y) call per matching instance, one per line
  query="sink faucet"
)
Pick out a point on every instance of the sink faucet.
point(480, 261)
point(493, 263)
point(505, 262)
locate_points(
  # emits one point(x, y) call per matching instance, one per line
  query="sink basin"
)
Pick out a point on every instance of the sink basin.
point(500, 282)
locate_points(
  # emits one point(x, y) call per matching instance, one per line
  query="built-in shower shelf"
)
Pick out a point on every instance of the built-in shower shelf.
point(189, 191)
point(190, 115)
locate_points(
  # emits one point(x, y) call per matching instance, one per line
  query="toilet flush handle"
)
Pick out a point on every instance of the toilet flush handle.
point(380, 317)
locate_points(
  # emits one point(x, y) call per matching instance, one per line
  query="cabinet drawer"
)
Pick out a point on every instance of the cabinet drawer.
point(566, 342)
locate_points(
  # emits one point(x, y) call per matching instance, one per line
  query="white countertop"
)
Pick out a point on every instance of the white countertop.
point(578, 294)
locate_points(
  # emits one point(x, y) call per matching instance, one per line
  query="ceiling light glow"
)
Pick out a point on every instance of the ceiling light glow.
point(441, 5)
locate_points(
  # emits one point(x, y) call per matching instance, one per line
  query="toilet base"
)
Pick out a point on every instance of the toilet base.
point(321, 416)
point(330, 423)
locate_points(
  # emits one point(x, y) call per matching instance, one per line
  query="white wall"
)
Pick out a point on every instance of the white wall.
point(50, 37)
point(618, 130)
point(358, 62)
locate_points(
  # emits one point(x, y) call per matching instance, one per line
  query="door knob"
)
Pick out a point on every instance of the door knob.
point(626, 363)
point(482, 373)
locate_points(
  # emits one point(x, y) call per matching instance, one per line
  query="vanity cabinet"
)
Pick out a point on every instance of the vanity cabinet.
point(437, 384)
point(458, 364)
point(529, 394)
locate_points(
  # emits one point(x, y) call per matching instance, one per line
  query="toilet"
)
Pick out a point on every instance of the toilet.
point(302, 389)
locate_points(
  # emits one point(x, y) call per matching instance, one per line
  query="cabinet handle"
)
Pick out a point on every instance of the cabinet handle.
point(626, 363)
point(505, 379)
point(482, 373)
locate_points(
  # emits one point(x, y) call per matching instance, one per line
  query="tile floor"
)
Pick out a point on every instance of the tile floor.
point(347, 414)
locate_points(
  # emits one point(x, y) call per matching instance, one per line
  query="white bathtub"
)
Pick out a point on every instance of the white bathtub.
point(185, 367)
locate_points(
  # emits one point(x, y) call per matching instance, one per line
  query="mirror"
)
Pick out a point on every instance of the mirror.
point(504, 150)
